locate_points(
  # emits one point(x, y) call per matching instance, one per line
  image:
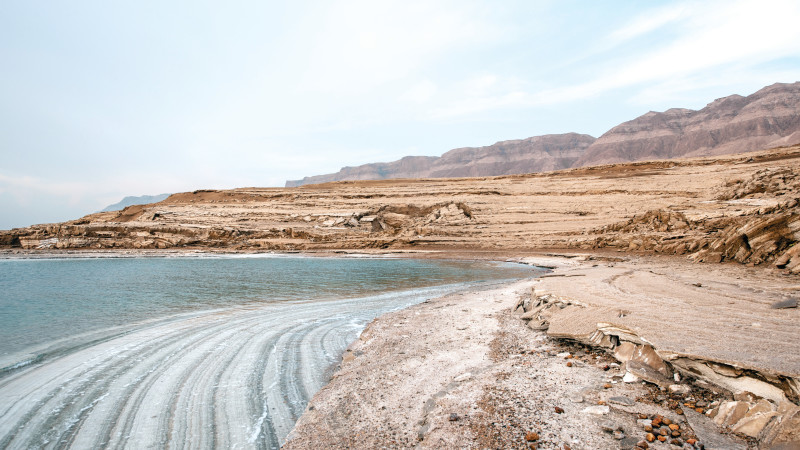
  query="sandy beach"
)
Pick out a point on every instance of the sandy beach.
point(468, 371)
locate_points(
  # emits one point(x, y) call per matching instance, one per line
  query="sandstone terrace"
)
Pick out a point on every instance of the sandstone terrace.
point(733, 207)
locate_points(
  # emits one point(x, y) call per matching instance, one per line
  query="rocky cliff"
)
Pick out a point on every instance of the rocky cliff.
point(734, 124)
point(742, 208)
point(769, 118)
point(536, 154)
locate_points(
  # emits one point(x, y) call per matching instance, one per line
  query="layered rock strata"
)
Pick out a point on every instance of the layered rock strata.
point(749, 352)
point(535, 154)
point(734, 124)
point(741, 208)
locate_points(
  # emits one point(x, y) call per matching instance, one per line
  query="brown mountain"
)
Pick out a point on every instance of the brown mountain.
point(734, 124)
point(536, 154)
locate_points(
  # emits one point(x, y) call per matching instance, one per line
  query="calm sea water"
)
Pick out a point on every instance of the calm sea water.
point(194, 352)
point(44, 300)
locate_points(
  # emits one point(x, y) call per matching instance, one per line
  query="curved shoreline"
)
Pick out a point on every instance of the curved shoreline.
point(231, 376)
point(427, 376)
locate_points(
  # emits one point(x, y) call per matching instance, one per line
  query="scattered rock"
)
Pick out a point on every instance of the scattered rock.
point(532, 436)
point(708, 433)
point(576, 397)
point(679, 389)
point(619, 435)
point(596, 410)
point(629, 442)
point(453, 417)
point(463, 377)
point(630, 378)
point(784, 304)
point(625, 401)
point(647, 373)
point(558, 410)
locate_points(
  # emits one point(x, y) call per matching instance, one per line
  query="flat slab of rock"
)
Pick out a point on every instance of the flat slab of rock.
point(708, 432)
point(784, 304)
point(732, 322)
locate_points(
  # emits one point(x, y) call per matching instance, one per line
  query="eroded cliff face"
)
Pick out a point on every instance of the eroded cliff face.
point(536, 154)
point(743, 208)
point(734, 124)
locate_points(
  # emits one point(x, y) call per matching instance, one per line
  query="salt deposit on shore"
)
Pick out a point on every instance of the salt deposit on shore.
point(465, 371)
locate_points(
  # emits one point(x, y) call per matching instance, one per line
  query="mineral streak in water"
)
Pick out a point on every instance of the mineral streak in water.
point(200, 351)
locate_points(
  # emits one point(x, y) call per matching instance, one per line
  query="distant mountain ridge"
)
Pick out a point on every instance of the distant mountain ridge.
point(733, 124)
point(535, 154)
point(134, 200)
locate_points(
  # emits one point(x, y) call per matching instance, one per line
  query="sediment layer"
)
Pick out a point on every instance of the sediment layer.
point(740, 208)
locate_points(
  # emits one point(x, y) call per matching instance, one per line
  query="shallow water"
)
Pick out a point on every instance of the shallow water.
point(199, 352)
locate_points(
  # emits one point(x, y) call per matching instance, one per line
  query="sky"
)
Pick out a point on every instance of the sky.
point(101, 100)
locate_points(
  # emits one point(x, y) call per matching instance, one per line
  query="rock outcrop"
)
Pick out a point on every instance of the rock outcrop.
point(536, 154)
point(741, 208)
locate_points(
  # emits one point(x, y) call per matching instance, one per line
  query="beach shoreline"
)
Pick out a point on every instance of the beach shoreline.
point(453, 372)
point(448, 383)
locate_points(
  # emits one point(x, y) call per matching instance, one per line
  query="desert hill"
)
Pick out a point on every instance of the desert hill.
point(536, 154)
point(135, 200)
point(740, 208)
point(733, 124)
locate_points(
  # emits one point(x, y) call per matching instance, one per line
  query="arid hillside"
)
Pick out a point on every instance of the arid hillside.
point(736, 207)
point(734, 124)
point(536, 154)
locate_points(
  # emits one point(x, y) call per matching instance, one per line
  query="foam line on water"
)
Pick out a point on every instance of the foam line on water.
point(236, 377)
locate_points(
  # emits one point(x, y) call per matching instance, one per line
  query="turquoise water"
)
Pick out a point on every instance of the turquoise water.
point(194, 352)
point(44, 300)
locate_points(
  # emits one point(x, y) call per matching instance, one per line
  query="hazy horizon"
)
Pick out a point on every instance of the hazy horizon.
point(103, 101)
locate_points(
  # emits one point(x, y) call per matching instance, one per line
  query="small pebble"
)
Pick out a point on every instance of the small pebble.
point(607, 386)
point(700, 410)
point(619, 435)
point(657, 420)
point(453, 417)
point(662, 438)
point(643, 416)
point(569, 364)
point(559, 410)
point(532, 436)
point(606, 367)
point(679, 411)
point(666, 421)
point(676, 442)
point(642, 444)
point(650, 437)
point(648, 428)
point(691, 441)
point(674, 426)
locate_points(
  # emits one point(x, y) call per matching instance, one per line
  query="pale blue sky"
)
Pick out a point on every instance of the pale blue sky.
point(99, 100)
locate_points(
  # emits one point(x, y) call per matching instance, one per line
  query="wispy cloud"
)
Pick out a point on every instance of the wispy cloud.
point(720, 43)
point(647, 23)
